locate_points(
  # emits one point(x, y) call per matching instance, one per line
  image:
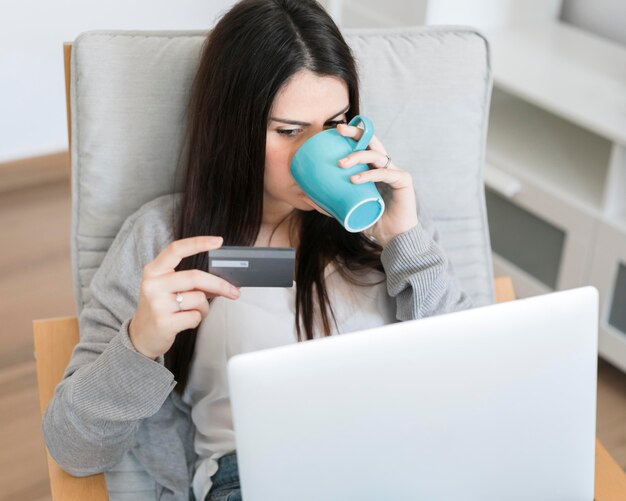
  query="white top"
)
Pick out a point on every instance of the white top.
point(261, 318)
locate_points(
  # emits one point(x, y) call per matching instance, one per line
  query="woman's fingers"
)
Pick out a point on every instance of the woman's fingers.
point(176, 251)
point(185, 320)
point(192, 300)
point(350, 131)
point(395, 178)
point(193, 309)
point(371, 157)
point(356, 133)
point(188, 280)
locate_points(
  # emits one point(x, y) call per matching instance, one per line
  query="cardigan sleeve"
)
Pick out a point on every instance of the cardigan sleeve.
point(108, 387)
point(419, 274)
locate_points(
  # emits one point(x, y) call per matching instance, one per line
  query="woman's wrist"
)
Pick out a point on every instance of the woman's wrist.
point(384, 238)
point(133, 342)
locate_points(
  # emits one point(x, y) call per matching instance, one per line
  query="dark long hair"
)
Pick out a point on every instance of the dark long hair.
point(248, 56)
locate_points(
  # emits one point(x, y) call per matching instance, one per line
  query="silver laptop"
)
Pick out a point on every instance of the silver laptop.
point(494, 403)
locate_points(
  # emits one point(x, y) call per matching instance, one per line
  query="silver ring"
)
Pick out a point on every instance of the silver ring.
point(179, 300)
point(388, 161)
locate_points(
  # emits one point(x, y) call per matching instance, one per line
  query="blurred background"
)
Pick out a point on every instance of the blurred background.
point(555, 173)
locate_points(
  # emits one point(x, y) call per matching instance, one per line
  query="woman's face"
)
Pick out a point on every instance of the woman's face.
point(307, 104)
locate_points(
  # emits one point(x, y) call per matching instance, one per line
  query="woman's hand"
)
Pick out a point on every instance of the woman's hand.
point(401, 211)
point(160, 316)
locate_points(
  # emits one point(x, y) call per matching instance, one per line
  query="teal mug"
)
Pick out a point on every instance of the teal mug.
point(314, 167)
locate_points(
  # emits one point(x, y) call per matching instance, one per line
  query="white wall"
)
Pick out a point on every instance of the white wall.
point(483, 14)
point(32, 88)
point(488, 14)
point(376, 13)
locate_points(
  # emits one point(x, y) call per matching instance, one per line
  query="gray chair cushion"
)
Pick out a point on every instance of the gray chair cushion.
point(426, 89)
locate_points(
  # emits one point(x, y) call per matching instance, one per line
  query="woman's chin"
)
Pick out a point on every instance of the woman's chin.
point(313, 206)
point(304, 206)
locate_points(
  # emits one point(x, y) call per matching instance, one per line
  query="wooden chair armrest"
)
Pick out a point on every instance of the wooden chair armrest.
point(504, 289)
point(610, 478)
point(54, 341)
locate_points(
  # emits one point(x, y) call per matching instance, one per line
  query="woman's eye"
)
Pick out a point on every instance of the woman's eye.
point(287, 132)
point(294, 132)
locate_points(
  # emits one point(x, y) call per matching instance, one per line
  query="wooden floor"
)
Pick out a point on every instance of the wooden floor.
point(35, 282)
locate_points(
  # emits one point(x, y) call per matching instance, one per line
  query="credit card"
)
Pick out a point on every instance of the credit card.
point(254, 266)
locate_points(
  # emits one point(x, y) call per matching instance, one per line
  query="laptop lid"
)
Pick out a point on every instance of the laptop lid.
point(493, 403)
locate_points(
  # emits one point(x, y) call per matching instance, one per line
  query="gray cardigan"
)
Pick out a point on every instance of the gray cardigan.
point(112, 399)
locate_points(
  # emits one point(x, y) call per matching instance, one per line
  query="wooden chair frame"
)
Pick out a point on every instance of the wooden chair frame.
point(55, 339)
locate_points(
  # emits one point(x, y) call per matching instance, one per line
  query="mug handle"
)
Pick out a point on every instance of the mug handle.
point(368, 131)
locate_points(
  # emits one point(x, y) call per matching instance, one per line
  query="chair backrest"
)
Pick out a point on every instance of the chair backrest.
point(427, 90)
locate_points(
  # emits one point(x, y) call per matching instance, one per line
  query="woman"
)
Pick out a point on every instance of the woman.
point(146, 387)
